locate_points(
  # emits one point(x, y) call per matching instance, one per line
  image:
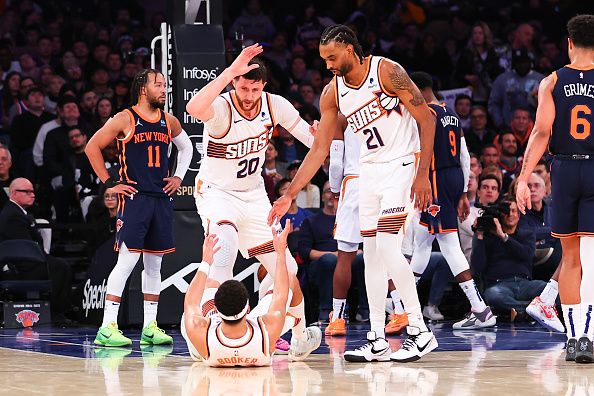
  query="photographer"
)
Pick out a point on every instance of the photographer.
point(502, 255)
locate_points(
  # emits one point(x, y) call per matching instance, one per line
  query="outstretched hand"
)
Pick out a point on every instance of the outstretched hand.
point(240, 65)
point(209, 248)
point(279, 238)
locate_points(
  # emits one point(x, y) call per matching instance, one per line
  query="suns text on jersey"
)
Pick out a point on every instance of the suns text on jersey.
point(368, 113)
point(248, 146)
point(151, 136)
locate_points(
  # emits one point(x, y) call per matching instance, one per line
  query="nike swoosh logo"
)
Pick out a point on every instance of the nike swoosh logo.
point(421, 349)
point(380, 351)
point(236, 121)
point(151, 336)
point(344, 94)
point(407, 163)
point(106, 336)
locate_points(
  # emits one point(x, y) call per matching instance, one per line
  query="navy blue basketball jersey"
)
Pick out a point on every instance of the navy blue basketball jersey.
point(143, 153)
point(573, 95)
point(448, 132)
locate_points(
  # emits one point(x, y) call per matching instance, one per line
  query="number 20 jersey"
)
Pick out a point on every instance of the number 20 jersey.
point(385, 127)
point(573, 95)
point(235, 145)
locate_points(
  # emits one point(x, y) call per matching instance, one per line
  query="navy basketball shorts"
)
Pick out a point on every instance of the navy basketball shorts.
point(572, 193)
point(442, 214)
point(145, 224)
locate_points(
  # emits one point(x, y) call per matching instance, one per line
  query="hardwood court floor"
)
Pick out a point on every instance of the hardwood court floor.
point(513, 360)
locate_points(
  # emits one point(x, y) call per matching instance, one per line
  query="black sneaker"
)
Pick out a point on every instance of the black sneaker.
point(584, 353)
point(570, 350)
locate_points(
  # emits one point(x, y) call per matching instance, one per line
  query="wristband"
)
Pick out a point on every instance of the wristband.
point(110, 183)
point(204, 267)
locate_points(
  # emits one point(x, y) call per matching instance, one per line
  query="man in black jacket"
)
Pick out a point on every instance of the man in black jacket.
point(503, 259)
point(16, 223)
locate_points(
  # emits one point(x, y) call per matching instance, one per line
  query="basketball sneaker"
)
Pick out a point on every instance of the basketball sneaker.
point(397, 324)
point(336, 327)
point(584, 352)
point(300, 349)
point(545, 314)
point(111, 336)
point(431, 312)
point(282, 347)
point(476, 320)
point(154, 335)
point(376, 349)
point(417, 344)
point(570, 350)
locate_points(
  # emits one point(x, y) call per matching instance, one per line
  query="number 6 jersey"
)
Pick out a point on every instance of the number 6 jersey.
point(235, 145)
point(385, 127)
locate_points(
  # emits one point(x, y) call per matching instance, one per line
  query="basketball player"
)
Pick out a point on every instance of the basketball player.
point(383, 106)
point(145, 208)
point(230, 194)
point(450, 167)
point(563, 123)
point(217, 326)
point(344, 182)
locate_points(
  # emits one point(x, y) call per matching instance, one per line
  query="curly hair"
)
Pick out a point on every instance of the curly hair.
point(230, 299)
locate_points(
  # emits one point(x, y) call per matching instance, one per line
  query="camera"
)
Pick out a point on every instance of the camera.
point(486, 221)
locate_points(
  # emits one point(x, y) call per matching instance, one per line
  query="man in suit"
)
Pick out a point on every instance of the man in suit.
point(16, 223)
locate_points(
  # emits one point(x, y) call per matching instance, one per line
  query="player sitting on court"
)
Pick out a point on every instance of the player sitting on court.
point(221, 332)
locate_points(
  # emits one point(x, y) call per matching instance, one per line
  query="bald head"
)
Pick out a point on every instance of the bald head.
point(21, 191)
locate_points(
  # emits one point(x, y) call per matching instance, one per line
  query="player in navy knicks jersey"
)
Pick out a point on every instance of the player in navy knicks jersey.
point(564, 123)
point(450, 169)
point(145, 209)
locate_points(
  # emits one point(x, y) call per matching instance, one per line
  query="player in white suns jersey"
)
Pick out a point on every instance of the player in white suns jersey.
point(218, 326)
point(229, 192)
point(383, 106)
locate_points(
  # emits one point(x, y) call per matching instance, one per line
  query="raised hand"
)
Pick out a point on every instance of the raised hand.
point(209, 248)
point(240, 65)
point(279, 238)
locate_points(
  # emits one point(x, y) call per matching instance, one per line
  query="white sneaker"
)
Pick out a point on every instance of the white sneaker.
point(545, 314)
point(375, 350)
point(431, 312)
point(417, 344)
point(300, 349)
point(476, 320)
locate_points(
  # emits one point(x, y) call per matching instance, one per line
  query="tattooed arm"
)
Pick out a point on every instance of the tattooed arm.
point(397, 82)
point(539, 139)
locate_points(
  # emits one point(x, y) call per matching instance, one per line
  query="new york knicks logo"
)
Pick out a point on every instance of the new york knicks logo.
point(27, 317)
point(119, 224)
point(433, 210)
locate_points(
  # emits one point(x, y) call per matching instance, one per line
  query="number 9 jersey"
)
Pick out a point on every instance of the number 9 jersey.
point(235, 145)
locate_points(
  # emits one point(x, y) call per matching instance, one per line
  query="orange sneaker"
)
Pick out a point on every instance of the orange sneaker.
point(397, 324)
point(335, 327)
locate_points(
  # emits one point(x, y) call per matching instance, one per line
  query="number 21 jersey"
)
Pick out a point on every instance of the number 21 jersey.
point(236, 145)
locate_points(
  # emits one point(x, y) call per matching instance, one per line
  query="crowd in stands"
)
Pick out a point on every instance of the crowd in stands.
point(66, 67)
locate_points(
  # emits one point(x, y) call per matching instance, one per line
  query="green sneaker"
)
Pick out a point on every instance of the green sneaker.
point(111, 336)
point(152, 334)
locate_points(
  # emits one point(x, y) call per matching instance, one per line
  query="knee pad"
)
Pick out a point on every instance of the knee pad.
point(224, 260)
point(151, 276)
point(122, 270)
point(347, 246)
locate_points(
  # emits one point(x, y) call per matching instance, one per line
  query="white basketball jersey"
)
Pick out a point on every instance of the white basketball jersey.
point(235, 145)
point(352, 149)
point(384, 126)
point(250, 350)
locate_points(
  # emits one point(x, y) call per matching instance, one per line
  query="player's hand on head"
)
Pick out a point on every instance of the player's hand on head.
point(421, 193)
point(172, 185)
point(240, 65)
point(523, 197)
point(279, 236)
point(279, 208)
point(209, 248)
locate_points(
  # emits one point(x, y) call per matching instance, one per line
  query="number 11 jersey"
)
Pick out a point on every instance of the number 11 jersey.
point(236, 145)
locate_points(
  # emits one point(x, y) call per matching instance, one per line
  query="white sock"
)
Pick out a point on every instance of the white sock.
point(150, 312)
point(398, 306)
point(110, 312)
point(298, 312)
point(572, 314)
point(476, 301)
point(550, 292)
point(338, 307)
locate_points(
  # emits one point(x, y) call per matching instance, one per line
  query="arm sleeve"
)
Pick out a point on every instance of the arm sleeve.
point(336, 165)
point(465, 162)
point(288, 117)
point(184, 155)
point(221, 120)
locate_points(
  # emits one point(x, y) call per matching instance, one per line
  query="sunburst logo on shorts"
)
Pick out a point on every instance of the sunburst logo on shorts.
point(119, 224)
point(433, 210)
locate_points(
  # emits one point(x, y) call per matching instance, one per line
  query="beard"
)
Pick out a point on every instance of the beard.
point(247, 106)
point(155, 103)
